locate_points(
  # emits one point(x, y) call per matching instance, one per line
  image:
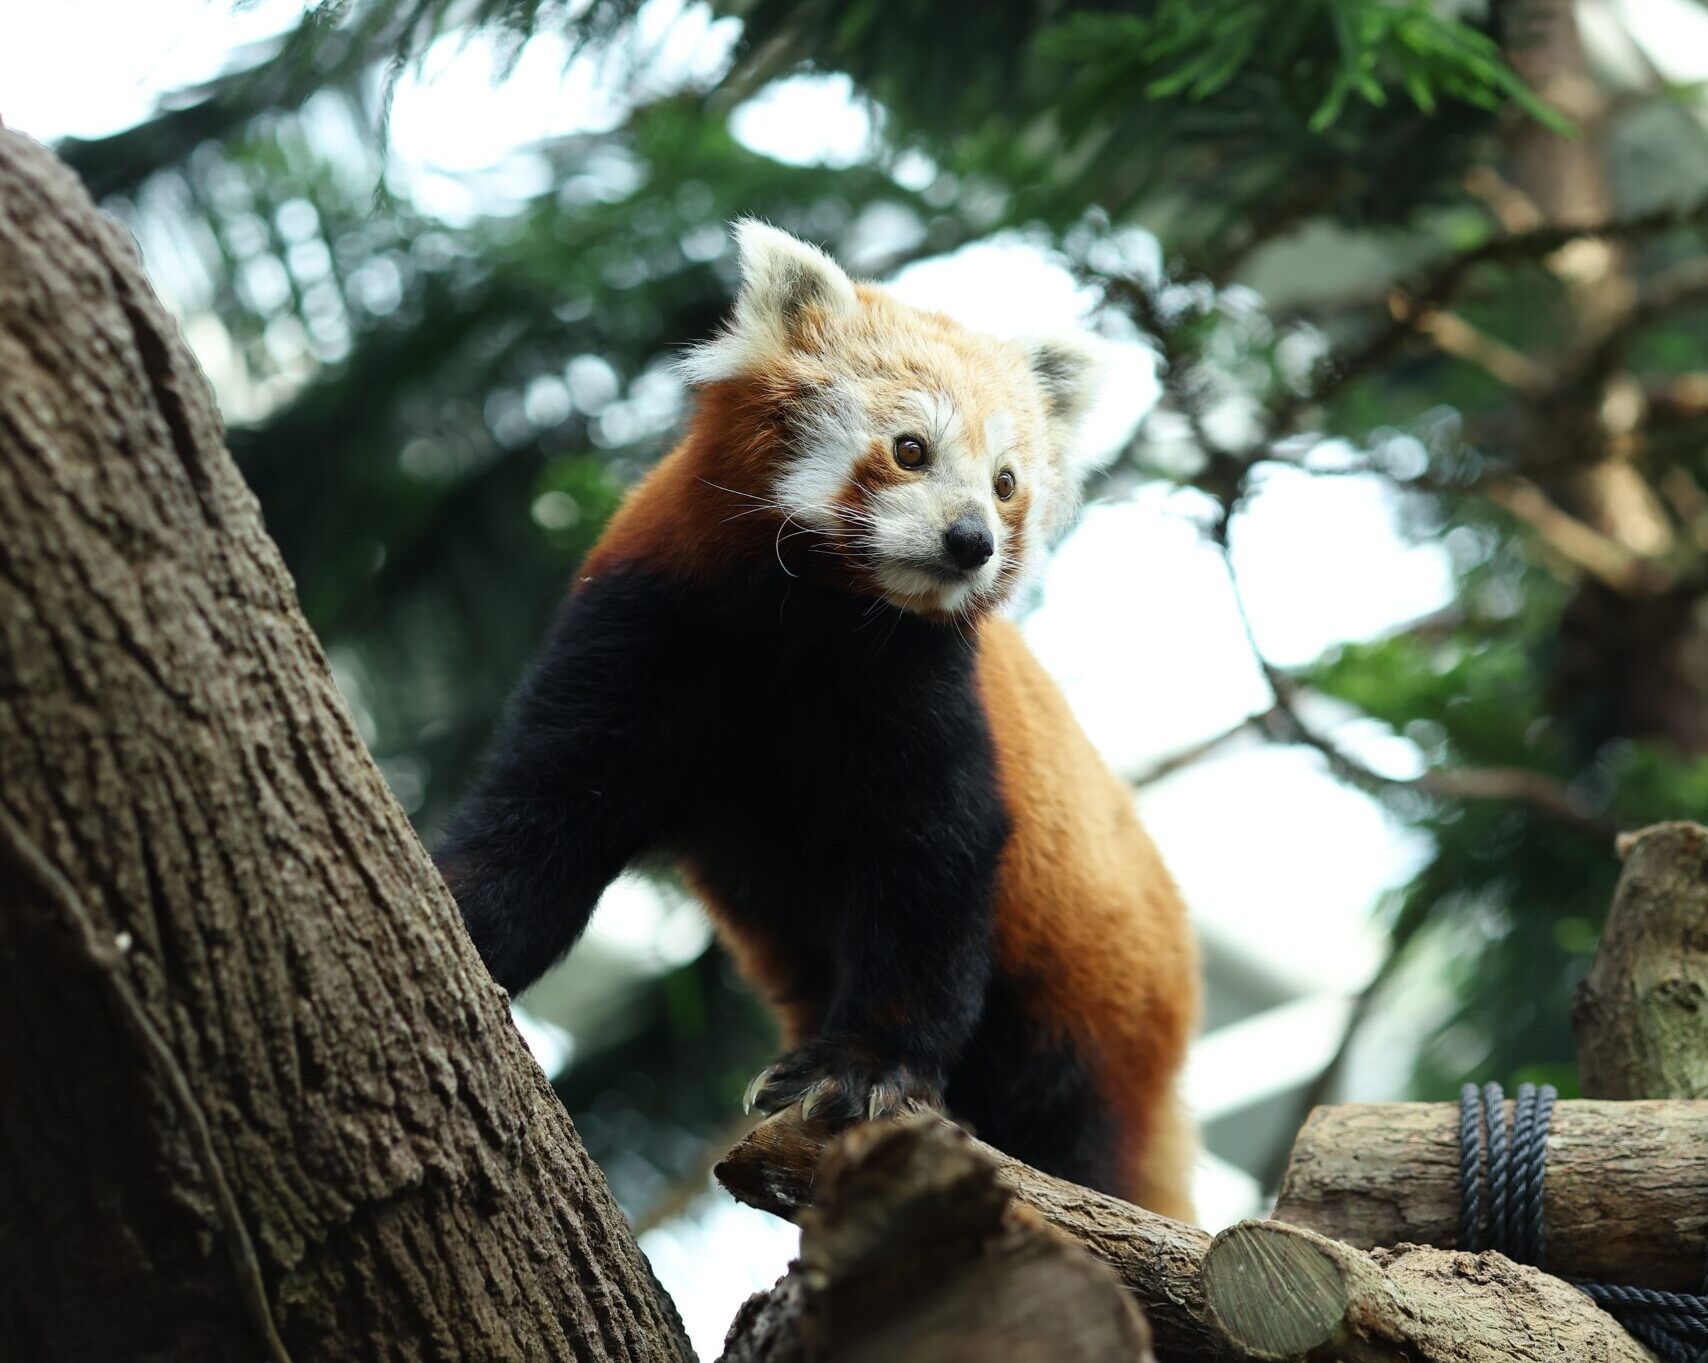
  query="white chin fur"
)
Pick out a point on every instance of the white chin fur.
point(913, 590)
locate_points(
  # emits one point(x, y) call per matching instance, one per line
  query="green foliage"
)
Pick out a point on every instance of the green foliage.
point(1181, 48)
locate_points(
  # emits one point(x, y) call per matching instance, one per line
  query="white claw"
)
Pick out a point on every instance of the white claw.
point(756, 1086)
point(873, 1104)
point(813, 1097)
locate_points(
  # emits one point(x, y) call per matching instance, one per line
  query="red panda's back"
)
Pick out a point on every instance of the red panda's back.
point(1087, 910)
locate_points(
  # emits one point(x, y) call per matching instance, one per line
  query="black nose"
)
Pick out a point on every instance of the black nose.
point(968, 543)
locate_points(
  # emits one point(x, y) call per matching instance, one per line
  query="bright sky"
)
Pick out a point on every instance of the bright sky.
point(1135, 618)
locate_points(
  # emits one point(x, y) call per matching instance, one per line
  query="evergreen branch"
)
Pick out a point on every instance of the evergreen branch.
point(1435, 288)
point(1197, 752)
point(1455, 336)
point(1512, 785)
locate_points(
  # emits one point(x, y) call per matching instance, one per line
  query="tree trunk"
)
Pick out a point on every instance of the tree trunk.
point(261, 1098)
point(1626, 1184)
point(1632, 660)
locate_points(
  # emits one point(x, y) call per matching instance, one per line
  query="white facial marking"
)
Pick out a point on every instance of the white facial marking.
point(910, 518)
point(998, 438)
point(830, 433)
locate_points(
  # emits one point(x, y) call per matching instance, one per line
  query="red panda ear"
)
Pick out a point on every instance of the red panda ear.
point(1066, 368)
point(781, 277)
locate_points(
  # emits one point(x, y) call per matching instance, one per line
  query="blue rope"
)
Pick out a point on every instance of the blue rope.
point(1673, 1324)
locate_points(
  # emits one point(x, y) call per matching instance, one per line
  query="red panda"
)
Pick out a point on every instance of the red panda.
point(781, 669)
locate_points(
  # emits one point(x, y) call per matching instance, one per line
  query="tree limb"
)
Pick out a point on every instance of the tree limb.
point(1518, 785)
point(916, 1251)
point(775, 1169)
point(1627, 1184)
point(1454, 336)
point(1190, 756)
point(1436, 285)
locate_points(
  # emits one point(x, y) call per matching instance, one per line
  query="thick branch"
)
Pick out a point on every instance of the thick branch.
point(917, 1253)
point(1263, 1290)
point(1580, 545)
point(1455, 336)
point(1642, 1013)
point(1157, 1259)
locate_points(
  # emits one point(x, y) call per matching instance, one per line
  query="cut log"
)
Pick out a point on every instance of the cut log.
point(1626, 1185)
point(776, 1168)
point(1277, 1292)
point(918, 1253)
point(1642, 1014)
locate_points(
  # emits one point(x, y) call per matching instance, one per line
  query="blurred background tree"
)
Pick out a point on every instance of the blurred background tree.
point(1456, 248)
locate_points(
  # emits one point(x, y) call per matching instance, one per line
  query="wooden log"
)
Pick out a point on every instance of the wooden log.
point(1626, 1188)
point(916, 1252)
point(776, 1168)
point(1268, 1292)
point(1641, 1015)
point(1276, 1292)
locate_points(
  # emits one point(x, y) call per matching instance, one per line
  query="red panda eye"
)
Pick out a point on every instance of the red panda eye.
point(1005, 485)
point(909, 451)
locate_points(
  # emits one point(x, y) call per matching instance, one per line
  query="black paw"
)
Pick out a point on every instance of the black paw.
point(838, 1082)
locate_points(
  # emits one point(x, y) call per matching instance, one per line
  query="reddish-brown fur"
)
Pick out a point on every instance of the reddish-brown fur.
point(1086, 907)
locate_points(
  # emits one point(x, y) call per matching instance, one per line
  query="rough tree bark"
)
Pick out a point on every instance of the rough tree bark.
point(1627, 1184)
point(261, 1100)
point(916, 1252)
point(1641, 1015)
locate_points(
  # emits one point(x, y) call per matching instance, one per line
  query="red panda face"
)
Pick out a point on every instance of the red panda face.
point(937, 463)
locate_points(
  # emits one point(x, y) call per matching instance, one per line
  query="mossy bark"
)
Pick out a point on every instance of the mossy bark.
point(261, 1100)
point(1642, 1012)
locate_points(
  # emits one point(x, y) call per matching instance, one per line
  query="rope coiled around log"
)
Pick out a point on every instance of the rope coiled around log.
point(1501, 1207)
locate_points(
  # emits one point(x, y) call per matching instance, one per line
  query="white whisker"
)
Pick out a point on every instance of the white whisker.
point(777, 547)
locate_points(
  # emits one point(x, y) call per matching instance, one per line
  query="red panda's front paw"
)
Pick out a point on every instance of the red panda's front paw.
point(837, 1083)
